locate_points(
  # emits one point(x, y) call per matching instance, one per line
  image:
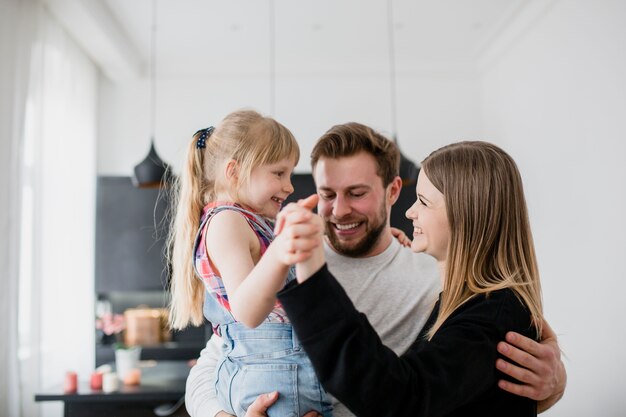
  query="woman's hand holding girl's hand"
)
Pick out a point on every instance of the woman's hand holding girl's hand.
point(310, 265)
point(298, 232)
point(306, 268)
point(302, 206)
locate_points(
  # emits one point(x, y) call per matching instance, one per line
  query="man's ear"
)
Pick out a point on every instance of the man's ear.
point(394, 189)
point(231, 171)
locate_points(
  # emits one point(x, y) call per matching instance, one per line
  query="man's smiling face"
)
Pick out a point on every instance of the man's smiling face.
point(354, 204)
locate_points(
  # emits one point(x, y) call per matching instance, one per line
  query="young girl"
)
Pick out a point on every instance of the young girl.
point(471, 216)
point(226, 261)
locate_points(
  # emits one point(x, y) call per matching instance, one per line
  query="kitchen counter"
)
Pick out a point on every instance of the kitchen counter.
point(162, 382)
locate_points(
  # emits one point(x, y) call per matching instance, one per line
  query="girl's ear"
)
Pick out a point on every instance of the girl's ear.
point(231, 170)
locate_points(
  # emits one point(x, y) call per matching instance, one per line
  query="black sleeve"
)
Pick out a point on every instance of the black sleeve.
point(431, 379)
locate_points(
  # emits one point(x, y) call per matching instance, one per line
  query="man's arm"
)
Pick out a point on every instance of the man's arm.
point(200, 395)
point(541, 372)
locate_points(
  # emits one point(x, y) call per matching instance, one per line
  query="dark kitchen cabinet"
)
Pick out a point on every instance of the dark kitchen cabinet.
point(131, 230)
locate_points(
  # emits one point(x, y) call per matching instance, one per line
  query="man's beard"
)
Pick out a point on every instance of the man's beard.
point(364, 246)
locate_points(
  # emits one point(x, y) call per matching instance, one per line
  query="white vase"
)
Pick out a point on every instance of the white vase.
point(126, 359)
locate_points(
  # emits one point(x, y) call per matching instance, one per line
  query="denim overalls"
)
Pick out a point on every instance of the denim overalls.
point(260, 360)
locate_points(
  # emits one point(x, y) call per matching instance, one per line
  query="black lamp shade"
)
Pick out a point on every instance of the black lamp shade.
point(408, 170)
point(152, 172)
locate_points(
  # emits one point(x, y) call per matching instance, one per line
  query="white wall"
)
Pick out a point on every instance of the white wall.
point(556, 99)
point(183, 106)
point(432, 109)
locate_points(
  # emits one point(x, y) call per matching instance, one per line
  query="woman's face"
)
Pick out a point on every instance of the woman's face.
point(431, 230)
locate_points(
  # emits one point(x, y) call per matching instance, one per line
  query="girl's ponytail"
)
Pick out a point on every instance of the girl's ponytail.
point(191, 192)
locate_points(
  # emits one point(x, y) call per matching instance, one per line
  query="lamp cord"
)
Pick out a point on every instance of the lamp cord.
point(153, 72)
point(272, 58)
point(392, 70)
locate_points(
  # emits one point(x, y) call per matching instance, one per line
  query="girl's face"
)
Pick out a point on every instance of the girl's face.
point(431, 230)
point(268, 187)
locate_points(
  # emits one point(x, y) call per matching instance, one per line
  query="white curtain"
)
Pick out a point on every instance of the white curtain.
point(47, 207)
point(66, 212)
point(16, 39)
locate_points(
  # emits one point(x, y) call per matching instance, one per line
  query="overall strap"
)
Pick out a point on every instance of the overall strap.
point(258, 223)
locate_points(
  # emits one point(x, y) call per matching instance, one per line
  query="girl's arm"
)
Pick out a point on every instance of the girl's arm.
point(230, 243)
point(252, 288)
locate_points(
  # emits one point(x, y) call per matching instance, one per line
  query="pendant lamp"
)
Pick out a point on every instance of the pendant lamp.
point(152, 172)
point(408, 169)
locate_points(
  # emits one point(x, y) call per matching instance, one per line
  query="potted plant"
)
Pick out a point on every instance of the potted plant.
point(127, 357)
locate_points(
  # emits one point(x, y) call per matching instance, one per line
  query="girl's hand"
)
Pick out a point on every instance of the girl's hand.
point(401, 236)
point(298, 232)
point(310, 265)
point(308, 203)
point(310, 257)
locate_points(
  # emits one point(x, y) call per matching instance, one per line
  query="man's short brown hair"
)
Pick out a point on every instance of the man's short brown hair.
point(351, 138)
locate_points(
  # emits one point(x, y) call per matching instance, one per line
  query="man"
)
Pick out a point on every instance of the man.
point(356, 175)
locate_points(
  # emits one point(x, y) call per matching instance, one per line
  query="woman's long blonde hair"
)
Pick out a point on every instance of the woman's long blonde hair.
point(491, 245)
point(244, 136)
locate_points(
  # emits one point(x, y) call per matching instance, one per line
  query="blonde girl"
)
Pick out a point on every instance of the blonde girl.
point(227, 265)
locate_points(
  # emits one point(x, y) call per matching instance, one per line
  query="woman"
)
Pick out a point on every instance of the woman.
point(471, 216)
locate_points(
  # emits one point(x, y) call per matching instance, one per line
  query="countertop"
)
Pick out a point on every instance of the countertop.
point(161, 381)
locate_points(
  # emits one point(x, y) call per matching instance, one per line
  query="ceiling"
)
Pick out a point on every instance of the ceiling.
point(196, 38)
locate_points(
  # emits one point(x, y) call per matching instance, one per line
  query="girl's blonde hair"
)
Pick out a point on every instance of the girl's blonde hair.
point(244, 136)
point(491, 245)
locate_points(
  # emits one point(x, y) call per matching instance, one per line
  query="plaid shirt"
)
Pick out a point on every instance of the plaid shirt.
point(208, 272)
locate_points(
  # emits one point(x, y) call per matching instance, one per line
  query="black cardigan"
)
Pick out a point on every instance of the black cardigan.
point(452, 375)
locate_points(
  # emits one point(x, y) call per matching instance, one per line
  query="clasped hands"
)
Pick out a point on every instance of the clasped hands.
point(299, 237)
